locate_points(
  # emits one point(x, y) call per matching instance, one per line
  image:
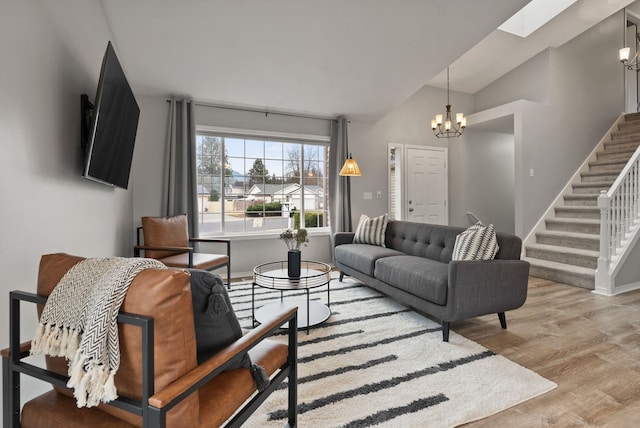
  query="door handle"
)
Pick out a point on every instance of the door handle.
point(410, 210)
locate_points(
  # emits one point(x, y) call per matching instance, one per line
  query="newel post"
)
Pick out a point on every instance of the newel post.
point(603, 284)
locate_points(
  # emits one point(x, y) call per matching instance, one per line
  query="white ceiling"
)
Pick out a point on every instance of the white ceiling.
point(501, 52)
point(326, 57)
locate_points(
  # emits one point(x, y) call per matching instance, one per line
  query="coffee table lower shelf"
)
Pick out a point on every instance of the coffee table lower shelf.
point(318, 312)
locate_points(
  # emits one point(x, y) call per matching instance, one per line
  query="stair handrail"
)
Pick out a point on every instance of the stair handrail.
point(619, 220)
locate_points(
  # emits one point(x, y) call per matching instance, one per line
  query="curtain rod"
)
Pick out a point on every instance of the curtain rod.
point(256, 110)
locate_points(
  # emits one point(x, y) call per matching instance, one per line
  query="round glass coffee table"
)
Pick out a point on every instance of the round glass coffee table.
point(274, 276)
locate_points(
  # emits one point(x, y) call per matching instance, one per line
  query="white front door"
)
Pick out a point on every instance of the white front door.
point(427, 186)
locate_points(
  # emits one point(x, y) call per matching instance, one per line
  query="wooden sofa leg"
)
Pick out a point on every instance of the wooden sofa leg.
point(445, 331)
point(503, 320)
point(341, 276)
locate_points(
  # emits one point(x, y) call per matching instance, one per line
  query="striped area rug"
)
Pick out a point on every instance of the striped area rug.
point(374, 362)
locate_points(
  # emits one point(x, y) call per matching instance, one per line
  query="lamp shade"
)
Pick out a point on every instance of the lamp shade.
point(350, 168)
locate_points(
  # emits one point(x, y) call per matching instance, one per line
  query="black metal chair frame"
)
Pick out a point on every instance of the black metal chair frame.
point(191, 250)
point(13, 367)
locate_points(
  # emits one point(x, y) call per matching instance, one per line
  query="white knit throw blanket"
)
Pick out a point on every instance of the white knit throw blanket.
point(79, 322)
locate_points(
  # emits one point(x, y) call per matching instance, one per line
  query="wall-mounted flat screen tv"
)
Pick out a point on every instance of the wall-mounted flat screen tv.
point(113, 126)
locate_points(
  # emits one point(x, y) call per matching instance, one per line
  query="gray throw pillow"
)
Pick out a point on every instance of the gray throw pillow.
point(216, 323)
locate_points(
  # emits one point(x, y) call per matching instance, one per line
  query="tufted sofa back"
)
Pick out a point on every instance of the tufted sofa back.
point(436, 242)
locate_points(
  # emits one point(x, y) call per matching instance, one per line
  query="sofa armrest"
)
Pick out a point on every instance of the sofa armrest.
point(484, 287)
point(340, 238)
point(196, 378)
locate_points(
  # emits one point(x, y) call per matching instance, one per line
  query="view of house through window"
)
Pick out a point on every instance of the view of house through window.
point(248, 185)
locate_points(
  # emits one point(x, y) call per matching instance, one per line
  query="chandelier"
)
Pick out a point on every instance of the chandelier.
point(446, 128)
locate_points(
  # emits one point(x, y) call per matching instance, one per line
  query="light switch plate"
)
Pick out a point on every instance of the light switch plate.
point(368, 195)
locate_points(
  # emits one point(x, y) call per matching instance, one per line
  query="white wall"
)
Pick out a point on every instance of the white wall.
point(579, 90)
point(46, 205)
point(409, 123)
point(488, 171)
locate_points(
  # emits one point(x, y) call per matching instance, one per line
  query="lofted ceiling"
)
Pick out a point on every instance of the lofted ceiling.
point(329, 57)
point(501, 52)
point(361, 58)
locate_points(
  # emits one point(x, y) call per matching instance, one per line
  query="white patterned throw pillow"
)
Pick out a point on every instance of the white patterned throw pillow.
point(478, 242)
point(371, 230)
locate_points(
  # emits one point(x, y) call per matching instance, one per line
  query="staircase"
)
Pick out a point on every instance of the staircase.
point(567, 241)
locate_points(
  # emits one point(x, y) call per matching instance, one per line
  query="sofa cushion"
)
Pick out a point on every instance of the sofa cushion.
point(371, 230)
point(478, 242)
point(362, 257)
point(422, 277)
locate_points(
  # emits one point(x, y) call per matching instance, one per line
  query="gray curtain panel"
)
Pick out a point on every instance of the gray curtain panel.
point(340, 187)
point(180, 181)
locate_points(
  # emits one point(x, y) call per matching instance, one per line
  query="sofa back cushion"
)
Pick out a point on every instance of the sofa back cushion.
point(436, 242)
point(165, 295)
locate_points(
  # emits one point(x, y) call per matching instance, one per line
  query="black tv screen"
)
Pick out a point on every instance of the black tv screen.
point(114, 123)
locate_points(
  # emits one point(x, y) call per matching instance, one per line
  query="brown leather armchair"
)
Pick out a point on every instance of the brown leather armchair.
point(159, 381)
point(167, 239)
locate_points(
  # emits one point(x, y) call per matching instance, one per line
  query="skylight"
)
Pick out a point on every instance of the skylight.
point(534, 15)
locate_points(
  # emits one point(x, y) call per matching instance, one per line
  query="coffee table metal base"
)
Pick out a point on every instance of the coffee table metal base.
point(318, 312)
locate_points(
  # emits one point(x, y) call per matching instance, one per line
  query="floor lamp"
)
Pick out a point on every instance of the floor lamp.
point(350, 169)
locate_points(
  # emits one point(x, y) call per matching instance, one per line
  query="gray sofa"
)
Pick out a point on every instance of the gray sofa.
point(416, 269)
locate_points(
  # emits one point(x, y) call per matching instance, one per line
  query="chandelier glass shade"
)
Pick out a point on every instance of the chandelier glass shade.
point(444, 126)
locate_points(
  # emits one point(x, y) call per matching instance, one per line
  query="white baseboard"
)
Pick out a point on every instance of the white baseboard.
point(620, 289)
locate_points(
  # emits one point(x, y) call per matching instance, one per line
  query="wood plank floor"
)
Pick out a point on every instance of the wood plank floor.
point(587, 344)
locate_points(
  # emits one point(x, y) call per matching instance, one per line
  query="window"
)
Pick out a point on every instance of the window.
point(251, 185)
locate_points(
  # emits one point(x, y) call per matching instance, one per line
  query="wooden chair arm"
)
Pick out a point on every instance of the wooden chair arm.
point(176, 249)
point(196, 378)
point(214, 241)
point(24, 349)
point(225, 241)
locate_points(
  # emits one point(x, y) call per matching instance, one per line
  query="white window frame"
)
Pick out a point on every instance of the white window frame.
point(302, 139)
